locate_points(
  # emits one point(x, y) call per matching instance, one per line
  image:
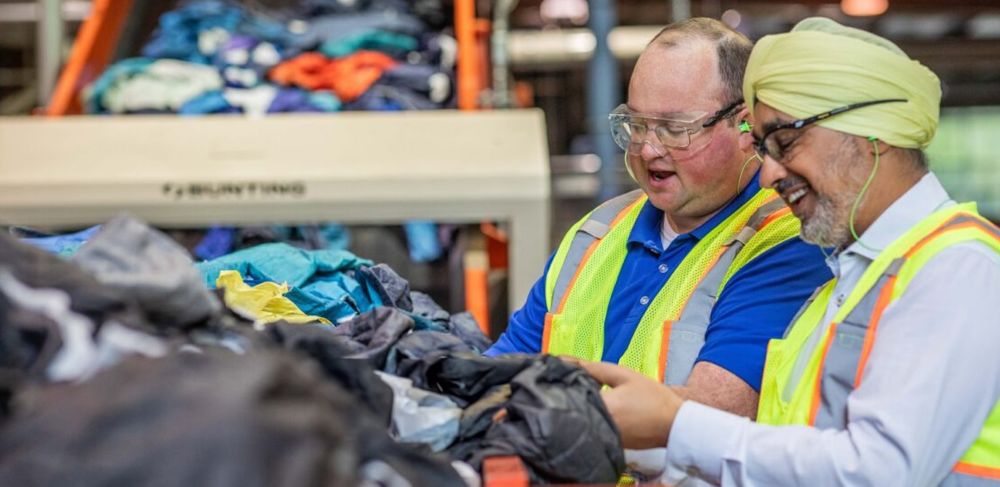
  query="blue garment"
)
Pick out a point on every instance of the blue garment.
point(218, 241)
point(422, 240)
point(756, 305)
point(208, 102)
point(63, 245)
point(180, 32)
point(320, 280)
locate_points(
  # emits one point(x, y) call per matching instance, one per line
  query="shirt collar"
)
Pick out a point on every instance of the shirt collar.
point(646, 230)
point(923, 199)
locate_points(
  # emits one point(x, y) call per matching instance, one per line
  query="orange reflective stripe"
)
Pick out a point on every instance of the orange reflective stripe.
point(576, 274)
point(546, 332)
point(886, 294)
point(664, 349)
point(977, 470)
point(818, 386)
point(883, 302)
point(947, 227)
point(774, 216)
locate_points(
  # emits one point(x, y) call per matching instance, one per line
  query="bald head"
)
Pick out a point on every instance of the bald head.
point(709, 37)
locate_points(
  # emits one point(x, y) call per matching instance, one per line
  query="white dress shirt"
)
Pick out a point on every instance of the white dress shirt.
point(932, 378)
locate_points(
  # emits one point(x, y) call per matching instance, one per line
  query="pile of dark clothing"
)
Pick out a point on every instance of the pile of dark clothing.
point(119, 366)
point(215, 56)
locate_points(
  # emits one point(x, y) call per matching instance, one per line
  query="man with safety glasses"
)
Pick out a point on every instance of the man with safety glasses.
point(686, 279)
point(890, 375)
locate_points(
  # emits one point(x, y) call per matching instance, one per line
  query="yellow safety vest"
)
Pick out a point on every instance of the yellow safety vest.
point(670, 334)
point(807, 381)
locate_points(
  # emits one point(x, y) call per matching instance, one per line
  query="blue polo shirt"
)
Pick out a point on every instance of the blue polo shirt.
point(755, 306)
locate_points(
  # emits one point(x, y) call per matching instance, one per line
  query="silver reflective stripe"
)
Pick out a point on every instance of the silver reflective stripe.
point(802, 359)
point(955, 479)
point(687, 333)
point(841, 364)
point(595, 228)
point(765, 211)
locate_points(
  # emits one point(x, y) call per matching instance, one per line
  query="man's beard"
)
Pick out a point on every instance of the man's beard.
point(829, 225)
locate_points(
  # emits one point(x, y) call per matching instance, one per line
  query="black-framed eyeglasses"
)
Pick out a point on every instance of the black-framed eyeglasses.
point(767, 146)
point(722, 114)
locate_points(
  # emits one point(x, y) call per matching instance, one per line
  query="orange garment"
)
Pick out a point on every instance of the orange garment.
point(349, 77)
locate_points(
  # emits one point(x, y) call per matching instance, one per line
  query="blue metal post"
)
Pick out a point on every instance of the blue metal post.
point(603, 95)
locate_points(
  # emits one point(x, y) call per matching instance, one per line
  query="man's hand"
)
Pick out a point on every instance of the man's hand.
point(643, 409)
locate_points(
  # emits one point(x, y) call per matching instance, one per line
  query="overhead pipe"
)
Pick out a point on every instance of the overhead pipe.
point(539, 48)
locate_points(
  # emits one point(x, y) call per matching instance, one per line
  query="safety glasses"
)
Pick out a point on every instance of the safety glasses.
point(631, 130)
point(769, 146)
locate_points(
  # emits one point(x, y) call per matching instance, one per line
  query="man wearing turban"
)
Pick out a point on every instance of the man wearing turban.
point(890, 374)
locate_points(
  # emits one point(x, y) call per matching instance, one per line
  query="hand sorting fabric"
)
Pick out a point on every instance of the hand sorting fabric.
point(344, 376)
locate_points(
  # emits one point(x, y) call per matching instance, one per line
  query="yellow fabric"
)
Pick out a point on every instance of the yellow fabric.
point(821, 65)
point(265, 301)
point(579, 329)
point(783, 403)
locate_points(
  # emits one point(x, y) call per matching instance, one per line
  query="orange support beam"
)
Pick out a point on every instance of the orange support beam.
point(477, 287)
point(468, 69)
point(92, 50)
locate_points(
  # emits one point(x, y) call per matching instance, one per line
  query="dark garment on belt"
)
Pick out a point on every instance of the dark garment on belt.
point(412, 353)
point(28, 342)
point(28, 339)
point(39, 269)
point(138, 261)
point(191, 419)
point(465, 377)
point(554, 420)
point(371, 334)
point(356, 376)
point(391, 288)
point(462, 325)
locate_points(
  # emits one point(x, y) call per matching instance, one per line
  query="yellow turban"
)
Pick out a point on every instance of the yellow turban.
point(821, 65)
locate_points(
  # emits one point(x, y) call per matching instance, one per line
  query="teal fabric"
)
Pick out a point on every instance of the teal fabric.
point(390, 43)
point(321, 281)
